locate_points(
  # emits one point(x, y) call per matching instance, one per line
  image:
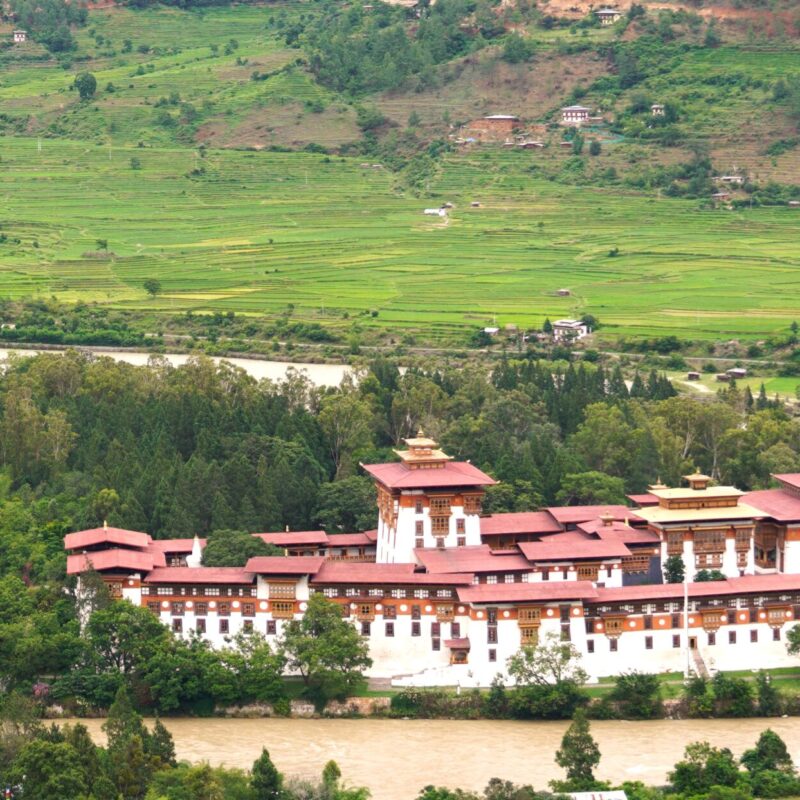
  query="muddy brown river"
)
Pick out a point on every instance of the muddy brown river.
point(396, 758)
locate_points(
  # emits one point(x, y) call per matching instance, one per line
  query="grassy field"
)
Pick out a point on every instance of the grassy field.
point(786, 388)
point(253, 232)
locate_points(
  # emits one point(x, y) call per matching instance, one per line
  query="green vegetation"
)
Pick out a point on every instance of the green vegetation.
point(133, 157)
point(255, 232)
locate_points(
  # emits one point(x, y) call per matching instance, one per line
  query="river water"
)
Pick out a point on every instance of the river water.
point(318, 374)
point(396, 758)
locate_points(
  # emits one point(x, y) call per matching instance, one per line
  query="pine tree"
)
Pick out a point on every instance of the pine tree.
point(579, 754)
point(161, 745)
point(265, 781)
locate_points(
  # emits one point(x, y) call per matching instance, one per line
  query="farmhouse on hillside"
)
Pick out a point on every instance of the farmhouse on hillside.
point(657, 109)
point(575, 115)
point(566, 330)
point(608, 16)
point(20, 36)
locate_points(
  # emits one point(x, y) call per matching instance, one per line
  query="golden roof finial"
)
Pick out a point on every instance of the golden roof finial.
point(420, 433)
point(105, 524)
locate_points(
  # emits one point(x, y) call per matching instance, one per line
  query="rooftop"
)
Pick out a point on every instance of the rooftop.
point(519, 522)
point(571, 515)
point(289, 538)
point(779, 504)
point(527, 592)
point(619, 531)
point(222, 575)
point(470, 559)
point(174, 545)
point(749, 584)
point(664, 516)
point(789, 479)
point(115, 559)
point(571, 549)
point(449, 475)
point(105, 535)
point(348, 572)
point(711, 493)
point(289, 565)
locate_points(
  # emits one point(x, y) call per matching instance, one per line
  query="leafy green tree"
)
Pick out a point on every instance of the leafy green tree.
point(547, 663)
point(50, 769)
point(770, 753)
point(326, 650)
point(518, 49)
point(227, 548)
point(266, 781)
point(702, 767)
point(591, 488)
point(345, 420)
point(579, 754)
point(594, 147)
point(768, 698)
point(151, 285)
point(346, 506)
point(161, 745)
point(86, 84)
point(638, 695)
point(674, 569)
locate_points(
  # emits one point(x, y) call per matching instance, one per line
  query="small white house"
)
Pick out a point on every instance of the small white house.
point(570, 330)
point(657, 109)
point(491, 331)
point(608, 16)
point(20, 36)
point(575, 115)
point(435, 212)
point(737, 372)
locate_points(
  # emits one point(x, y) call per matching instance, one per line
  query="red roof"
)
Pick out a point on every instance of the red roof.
point(779, 504)
point(115, 559)
point(289, 538)
point(376, 574)
point(749, 584)
point(290, 565)
point(350, 540)
point(174, 545)
point(224, 575)
point(527, 592)
point(519, 522)
point(619, 532)
point(81, 539)
point(643, 500)
point(571, 515)
point(569, 549)
point(789, 478)
point(372, 535)
point(454, 473)
point(457, 644)
point(470, 559)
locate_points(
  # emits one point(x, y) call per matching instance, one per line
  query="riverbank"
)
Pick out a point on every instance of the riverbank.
point(321, 374)
point(396, 758)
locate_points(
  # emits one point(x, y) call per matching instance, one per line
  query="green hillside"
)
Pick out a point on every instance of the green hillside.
point(223, 154)
point(254, 232)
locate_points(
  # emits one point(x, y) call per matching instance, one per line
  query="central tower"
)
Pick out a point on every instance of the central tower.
point(426, 500)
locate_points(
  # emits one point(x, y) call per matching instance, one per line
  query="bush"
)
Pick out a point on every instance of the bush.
point(638, 695)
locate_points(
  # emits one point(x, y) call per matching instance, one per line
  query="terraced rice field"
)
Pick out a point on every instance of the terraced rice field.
point(260, 230)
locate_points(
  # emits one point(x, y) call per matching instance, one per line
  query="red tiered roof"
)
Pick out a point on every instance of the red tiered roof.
point(349, 572)
point(175, 545)
point(289, 538)
point(748, 584)
point(80, 539)
point(572, 549)
point(350, 540)
point(541, 522)
point(290, 565)
point(114, 559)
point(572, 515)
point(540, 591)
point(479, 559)
point(789, 478)
point(618, 531)
point(222, 575)
point(450, 475)
point(779, 504)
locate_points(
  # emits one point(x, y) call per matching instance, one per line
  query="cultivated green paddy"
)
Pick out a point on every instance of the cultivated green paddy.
point(259, 230)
